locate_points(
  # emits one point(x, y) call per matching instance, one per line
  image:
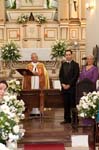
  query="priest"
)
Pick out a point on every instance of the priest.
point(40, 80)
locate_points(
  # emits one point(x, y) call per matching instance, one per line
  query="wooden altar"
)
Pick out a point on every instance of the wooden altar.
point(49, 98)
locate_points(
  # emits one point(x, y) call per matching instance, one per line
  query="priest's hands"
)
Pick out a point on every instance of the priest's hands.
point(35, 73)
point(65, 86)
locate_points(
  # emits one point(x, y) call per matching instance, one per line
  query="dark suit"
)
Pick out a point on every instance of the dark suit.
point(69, 73)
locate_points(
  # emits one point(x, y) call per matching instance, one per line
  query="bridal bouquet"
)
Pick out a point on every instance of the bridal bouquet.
point(88, 105)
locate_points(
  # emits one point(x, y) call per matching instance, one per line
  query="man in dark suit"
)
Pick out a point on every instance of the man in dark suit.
point(68, 75)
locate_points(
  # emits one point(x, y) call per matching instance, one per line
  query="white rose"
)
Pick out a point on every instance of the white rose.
point(3, 147)
point(5, 108)
point(18, 82)
point(13, 137)
point(81, 115)
point(16, 129)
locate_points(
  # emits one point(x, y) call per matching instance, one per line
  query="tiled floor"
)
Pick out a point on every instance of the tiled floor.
point(49, 129)
point(76, 148)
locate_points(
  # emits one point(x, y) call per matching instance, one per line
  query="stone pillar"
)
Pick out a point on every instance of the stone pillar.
point(63, 10)
point(2, 12)
point(73, 9)
point(83, 9)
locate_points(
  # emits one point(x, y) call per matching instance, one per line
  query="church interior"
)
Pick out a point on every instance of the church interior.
point(35, 26)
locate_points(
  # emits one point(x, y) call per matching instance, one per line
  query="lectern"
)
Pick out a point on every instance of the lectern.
point(26, 73)
point(29, 96)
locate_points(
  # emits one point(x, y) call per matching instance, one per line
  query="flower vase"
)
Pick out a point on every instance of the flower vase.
point(12, 145)
point(97, 115)
point(11, 69)
point(88, 121)
point(59, 61)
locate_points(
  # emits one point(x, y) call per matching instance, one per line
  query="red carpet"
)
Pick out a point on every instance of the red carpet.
point(44, 147)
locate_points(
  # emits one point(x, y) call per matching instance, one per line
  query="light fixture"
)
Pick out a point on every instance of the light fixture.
point(90, 5)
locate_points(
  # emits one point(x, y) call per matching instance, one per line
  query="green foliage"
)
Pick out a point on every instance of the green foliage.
point(6, 125)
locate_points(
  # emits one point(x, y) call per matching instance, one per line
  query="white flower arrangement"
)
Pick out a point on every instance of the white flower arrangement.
point(11, 112)
point(40, 19)
point(88, 105)
point(10, 52)
point(58, 49)
point(14, 86)
point(22, 19)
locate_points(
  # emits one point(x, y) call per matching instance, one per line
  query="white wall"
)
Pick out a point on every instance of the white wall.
point(43, 53)
point(92, 28)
